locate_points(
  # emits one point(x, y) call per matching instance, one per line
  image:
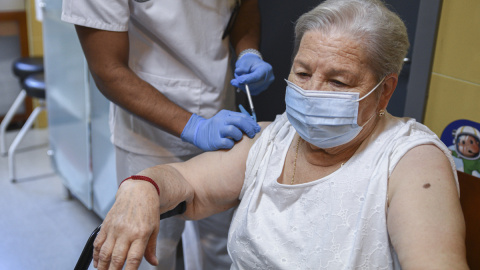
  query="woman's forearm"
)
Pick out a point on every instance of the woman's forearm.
point(173, 187)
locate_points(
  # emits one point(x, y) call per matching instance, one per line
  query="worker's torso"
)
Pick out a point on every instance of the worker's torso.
point(177, 47)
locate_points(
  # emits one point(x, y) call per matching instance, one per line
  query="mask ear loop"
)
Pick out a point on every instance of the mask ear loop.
point(371, 91)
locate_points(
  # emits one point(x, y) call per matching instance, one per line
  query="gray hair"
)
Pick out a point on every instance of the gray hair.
point(370, 22)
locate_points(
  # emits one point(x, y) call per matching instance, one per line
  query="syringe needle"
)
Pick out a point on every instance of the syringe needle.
point(250, 102)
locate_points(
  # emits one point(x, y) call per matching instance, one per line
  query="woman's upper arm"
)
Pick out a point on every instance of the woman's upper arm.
point(216, 177)
point(425, 220)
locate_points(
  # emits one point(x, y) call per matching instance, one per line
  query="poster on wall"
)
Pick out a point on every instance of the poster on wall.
point(462, 137)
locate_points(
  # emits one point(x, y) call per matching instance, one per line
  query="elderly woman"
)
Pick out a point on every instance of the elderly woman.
point(334, 183)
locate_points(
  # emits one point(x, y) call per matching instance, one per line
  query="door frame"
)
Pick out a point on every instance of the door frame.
point(422, 58)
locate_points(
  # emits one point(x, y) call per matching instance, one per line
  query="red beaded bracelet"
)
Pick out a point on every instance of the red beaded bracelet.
point(144, 178)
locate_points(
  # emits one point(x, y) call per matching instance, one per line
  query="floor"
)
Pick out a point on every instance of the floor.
point(40, 227)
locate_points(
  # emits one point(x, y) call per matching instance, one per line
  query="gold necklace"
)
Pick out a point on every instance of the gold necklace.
point(295, 162)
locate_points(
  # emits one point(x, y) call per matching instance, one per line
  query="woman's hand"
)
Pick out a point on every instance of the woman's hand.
point(130, 228)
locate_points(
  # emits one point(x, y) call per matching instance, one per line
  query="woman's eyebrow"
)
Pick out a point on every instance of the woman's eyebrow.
point(305, 62)
point(301, 62)
point(340, 72)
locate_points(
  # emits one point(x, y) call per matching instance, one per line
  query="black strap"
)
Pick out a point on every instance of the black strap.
point(87, 253)
point(231, 21)
point(178, 210)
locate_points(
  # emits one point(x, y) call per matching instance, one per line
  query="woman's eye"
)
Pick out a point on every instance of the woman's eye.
point(338, 83)
point(303, 74)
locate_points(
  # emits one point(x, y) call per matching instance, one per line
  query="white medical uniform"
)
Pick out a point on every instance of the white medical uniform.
point(336, 222)
point(176, 46)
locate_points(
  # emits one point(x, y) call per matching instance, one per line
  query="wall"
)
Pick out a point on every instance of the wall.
point(13, 44)
point(35, 33)
point(12, 5)
point(35, 46)
point(454, 91)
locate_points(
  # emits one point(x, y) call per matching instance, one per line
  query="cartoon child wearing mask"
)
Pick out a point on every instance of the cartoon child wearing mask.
point(467, 148)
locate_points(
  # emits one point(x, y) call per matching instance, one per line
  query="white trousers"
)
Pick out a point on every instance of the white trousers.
point(204, 242)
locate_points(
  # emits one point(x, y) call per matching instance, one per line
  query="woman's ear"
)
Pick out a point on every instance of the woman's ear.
point(389, 85)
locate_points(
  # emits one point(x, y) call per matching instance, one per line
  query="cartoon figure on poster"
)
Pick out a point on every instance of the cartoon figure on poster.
point(465, 136)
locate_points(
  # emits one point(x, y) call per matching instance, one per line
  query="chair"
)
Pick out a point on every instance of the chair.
point(34, 86)
point(470, 201)
point(22, 68)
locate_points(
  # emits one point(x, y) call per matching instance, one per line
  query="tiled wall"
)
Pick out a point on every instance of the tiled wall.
point(455, 83)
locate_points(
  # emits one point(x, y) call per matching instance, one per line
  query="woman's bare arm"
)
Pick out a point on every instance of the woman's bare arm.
point(425, 220)
point(210, 183)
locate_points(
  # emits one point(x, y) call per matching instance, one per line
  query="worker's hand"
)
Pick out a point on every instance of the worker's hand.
point(252, 70)
point(130, 228)
point(219, 132)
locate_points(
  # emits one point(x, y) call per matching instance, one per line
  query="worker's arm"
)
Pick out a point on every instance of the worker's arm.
point(209, 183)
point(107, 56)
point(245, 33)
point(425, 220)
point(250, 68)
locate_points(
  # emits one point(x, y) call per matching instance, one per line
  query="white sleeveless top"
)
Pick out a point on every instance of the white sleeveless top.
point(336, 222)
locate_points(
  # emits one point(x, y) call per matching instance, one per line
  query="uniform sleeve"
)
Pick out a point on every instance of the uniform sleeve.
point(110, 15)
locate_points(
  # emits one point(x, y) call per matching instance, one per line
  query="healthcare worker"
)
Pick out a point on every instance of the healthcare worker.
point(165, 65)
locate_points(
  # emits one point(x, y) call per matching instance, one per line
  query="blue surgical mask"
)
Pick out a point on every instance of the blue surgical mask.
point(325, 119)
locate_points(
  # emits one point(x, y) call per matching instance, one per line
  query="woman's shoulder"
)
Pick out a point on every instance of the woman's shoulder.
point(409, 138)
point(398, 135)
point(398, 128)
point(278, 126)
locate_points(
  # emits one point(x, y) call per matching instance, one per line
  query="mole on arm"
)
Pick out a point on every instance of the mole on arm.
point(427, 185)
